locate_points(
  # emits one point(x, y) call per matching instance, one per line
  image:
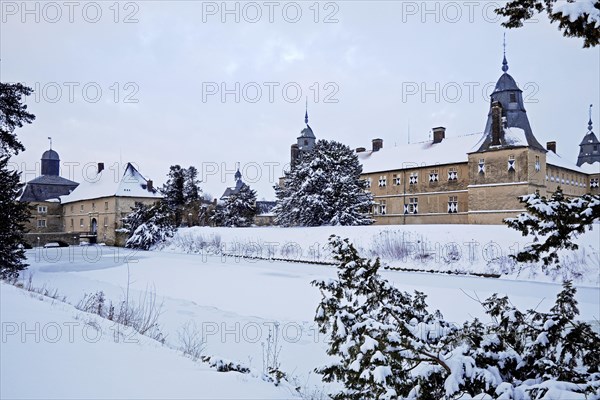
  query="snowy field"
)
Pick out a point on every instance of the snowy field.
point(233, 301)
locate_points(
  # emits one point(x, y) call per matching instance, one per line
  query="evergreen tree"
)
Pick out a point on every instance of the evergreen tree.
point(13, 114)
point(386, 344)
point(238, 210)
point(558, 219)
point(191, 186)
point(148, 225)
point(173, 192)
point(575, 18)
point(324, 188)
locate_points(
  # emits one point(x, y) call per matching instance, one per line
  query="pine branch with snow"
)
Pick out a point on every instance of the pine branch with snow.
point(149, 225)
point(386, 344)
point(580, 18)
point(557, 221)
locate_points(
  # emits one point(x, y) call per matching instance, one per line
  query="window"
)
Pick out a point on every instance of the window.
point(594, 183)
point(106, 205)
point(538, 166)
point(82, 207)
point(414, 178)
point(81, 222)
point(452, 174)
point(42, 209)
point(382, 207)
point(382, 181)
point(71, 222)
point(41, 223)
point(481, 168)
point(412, 207)
point(396, 179)
point(93, 206)
point(511, 163)
point(305, 142)
point(72, 208)
point(368, 184)
point(513, 98)
point(434, 176)
point(452, 204)
point(105, 221)
point(595, 149)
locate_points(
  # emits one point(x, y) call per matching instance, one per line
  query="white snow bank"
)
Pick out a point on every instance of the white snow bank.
point(53, 351)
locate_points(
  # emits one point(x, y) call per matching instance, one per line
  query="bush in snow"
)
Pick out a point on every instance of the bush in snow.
point(324, 188)
point(148, 225)
point(387, 344)
point(239, 209)
point(558, 219)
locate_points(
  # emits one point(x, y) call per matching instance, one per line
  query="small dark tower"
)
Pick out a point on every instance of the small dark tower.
point(305, 142)
point(589, 148)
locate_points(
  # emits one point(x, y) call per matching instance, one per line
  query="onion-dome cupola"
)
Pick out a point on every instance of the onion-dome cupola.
point(50, 162)
point(589, 148)
point(507, 110)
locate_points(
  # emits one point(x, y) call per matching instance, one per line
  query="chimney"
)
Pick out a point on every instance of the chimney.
point(360, 149)
point(497, 128)
point(377, 144)
point(439, 134)
point(100, 167)
point(551, 146)
point(150, 185)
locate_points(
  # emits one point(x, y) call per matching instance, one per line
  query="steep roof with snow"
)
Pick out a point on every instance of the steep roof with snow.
point(510, 97)
point(105, 184)
point(449, 151)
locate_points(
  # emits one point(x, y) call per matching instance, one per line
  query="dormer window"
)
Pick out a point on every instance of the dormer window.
point(513, 97)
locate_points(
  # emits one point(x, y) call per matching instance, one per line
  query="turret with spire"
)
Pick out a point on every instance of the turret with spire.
point(507, 110)
point(589, 148)
point(305, 142)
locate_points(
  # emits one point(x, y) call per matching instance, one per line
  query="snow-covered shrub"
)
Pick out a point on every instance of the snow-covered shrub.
point(387, 344)
point(557, 220)
point(324, 188)
point(149, 225)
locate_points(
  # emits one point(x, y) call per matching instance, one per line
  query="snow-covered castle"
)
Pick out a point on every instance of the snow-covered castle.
point(471, 179)
point(63, 210)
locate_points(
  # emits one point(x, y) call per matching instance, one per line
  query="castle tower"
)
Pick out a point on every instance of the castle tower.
point(589, 148)
point(305, 142)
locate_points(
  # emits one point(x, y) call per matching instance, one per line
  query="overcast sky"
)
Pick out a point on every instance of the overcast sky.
point(369, 69)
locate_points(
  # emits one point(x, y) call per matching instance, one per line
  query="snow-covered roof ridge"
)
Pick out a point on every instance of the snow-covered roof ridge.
point(450, 150)
point(106, 184)
point(554, 159)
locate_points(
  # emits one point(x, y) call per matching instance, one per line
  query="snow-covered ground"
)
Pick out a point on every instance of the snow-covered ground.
point(233, 302)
